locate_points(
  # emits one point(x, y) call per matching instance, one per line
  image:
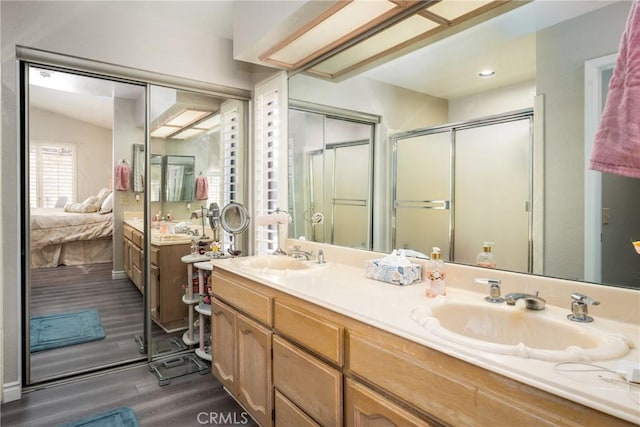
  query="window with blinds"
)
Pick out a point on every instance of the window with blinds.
point(52, 173)
point(230, 121)
point(269, 164)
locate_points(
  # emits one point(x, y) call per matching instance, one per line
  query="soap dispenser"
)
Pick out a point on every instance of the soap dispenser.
point(485, 258)
point(435, 274)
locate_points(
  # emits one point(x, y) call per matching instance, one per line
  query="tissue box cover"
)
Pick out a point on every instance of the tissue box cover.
point(393, 273)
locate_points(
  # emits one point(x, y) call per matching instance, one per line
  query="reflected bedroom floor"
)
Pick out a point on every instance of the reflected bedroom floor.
point(119, 304)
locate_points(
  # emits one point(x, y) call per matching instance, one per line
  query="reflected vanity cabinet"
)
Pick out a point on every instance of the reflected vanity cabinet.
point(165, 278)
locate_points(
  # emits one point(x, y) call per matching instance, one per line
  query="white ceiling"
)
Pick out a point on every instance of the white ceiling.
point(446, 69)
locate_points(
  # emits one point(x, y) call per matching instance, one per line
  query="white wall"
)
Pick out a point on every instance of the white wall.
point(93, 144)
point(172, 38)
point(503, 100)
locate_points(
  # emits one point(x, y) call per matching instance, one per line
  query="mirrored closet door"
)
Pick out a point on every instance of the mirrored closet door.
point(81, 312)
point(121, 178)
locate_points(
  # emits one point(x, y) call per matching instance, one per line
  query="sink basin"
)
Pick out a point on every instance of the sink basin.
point(279, 264)
point(275, 262)
point(518, 332)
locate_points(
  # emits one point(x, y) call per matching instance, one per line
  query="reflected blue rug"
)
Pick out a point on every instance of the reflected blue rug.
point(61, 330)
point(119, 417)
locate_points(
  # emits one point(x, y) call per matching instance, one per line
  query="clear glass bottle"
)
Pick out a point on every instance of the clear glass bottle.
point(435, 275)
point(486, 258)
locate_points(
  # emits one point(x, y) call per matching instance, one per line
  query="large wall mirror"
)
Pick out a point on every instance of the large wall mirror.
point(538, 52)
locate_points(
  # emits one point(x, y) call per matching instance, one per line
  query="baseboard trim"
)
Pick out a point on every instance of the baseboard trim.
point(11, 391)
point(116, 275)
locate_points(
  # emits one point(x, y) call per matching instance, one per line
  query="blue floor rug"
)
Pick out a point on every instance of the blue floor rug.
point(64, 329)
point(119, 417)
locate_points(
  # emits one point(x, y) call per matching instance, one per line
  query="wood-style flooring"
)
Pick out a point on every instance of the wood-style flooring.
point(71, 288)
point(193, 400)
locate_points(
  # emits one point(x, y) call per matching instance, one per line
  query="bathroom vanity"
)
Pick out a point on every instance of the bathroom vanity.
point(167, 273)
point(323, 345)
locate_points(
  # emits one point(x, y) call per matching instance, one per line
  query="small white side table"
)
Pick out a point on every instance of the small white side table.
point(189, 298)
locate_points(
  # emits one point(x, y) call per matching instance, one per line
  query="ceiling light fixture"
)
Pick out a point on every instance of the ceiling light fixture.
point(355, 34)
point(486, 73)
point(184, 125)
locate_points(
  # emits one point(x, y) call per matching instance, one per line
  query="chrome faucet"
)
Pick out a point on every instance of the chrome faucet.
point(579, 308)
point(494, 290)
point(296, 252)
point(532, 302)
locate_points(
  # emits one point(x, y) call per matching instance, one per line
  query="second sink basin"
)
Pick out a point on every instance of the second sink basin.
point(279, 264)
point(518, 332)
point(275, 262)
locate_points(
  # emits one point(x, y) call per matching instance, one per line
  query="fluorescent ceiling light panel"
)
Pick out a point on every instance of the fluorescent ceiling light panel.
point(187, 117)
point(336, 27)
point(452, 9)
point(164, 131)
point(209, 123)
point(187, 133)
point(405, 30)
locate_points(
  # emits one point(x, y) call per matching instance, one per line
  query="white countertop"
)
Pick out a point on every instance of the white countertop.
point(344, 289)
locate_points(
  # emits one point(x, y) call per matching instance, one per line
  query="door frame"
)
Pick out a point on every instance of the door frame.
point(593, 104)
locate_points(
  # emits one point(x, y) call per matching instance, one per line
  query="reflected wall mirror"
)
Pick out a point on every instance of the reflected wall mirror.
point(137, 168)
point(539, 65)
point(179, 178)
point(330, 180)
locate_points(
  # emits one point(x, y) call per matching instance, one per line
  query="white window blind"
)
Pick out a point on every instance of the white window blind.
point(52, 173)
point(230, 121)
point(270, 167)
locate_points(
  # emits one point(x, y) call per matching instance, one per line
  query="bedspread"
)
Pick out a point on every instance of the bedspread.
point(55, 226)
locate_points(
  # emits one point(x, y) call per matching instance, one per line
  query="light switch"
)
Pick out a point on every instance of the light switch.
point(605, 216)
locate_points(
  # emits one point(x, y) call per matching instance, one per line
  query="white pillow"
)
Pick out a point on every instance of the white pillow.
point(107, 205)
point(102, 195)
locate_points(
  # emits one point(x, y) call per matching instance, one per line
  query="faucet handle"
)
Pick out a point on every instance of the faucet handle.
point(579, 308)
point(494, 290)
point(582, 298)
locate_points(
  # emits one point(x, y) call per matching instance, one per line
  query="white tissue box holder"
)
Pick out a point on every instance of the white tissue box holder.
point(395, 274)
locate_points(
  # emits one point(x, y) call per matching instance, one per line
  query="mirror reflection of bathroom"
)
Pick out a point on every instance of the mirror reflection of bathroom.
point(330, 182)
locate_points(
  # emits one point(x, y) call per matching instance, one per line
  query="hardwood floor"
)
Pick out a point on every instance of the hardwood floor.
point(193, 400)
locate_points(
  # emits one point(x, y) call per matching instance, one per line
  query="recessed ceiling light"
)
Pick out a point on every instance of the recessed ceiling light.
point(486, 73)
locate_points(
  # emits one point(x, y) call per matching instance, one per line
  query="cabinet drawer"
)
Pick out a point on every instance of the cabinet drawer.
point(411, 378)
point(127, 232)
point(365, 407)
point(155, 256)
point(312, 385)
point(137, 238)
point(288, 414)
point(247, 300)
point(315, 333)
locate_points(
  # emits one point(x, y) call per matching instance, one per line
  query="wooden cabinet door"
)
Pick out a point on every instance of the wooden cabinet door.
point(223, 348)
point(254, 369)
point(312, 385)
point(364, 407)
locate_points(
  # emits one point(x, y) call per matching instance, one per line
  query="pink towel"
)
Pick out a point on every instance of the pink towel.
point(202, 188)
point(617, 144)
point(122, 176)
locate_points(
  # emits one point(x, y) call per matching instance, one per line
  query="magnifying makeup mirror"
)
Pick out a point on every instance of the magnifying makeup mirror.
point(234, 219)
